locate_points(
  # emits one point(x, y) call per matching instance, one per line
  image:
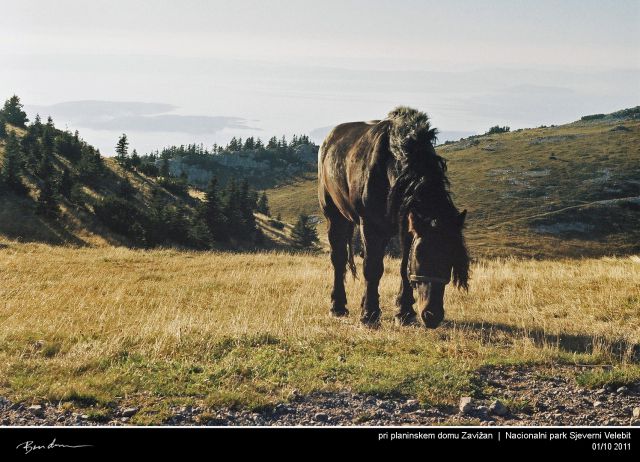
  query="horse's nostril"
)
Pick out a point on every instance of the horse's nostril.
point(432, 319)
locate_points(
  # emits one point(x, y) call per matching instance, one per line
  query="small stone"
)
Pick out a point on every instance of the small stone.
point(125, 419)
point(636, 412)
point(411, 404)
point(497, 408)
point(321, 417)
point(622, 390)
point(83, 417)
point(129, 412)
point(602, 391)
point(597, 404)
point(466, 404)
point(36, 409)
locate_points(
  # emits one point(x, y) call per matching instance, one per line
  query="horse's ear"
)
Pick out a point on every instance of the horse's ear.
point(411, 223)
point(461, 218)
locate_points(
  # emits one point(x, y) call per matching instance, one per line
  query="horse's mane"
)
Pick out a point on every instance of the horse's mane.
point(422, 184)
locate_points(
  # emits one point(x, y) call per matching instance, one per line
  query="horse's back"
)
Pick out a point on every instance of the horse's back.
point(342, 161)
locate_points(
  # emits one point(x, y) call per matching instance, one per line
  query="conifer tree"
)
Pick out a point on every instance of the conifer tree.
point(37, 126)
point(12, 112)
point(12, 164)
point(304, 233)
point(165, 172)
point(135, 159)
point(3, 128)
point(66, 183)
point(212, 212)
point(47, 205)
point(263, 205)
point(48, 138)
point(122, 150)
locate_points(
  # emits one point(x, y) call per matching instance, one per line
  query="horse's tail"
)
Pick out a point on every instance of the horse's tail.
point(351, 262)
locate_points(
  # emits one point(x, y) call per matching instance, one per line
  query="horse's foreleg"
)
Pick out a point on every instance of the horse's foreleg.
point(405, 300)
point(373, 268)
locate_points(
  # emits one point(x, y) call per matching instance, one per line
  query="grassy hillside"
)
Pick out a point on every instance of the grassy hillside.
point(570, 190)
point(129, 327)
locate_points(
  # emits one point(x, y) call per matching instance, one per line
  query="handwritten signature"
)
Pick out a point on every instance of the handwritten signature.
point(29, 446)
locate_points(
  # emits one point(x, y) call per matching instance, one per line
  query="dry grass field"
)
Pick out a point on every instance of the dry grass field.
point(90, 326)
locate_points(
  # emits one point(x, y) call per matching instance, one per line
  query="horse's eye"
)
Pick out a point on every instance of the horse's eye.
point(434, 223)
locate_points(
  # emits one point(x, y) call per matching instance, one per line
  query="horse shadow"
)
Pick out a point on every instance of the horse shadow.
point(571, 343)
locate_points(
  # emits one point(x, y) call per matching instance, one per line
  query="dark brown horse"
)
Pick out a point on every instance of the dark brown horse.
point(386, 176)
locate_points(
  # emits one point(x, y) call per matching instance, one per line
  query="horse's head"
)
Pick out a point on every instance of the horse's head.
point(437, 253)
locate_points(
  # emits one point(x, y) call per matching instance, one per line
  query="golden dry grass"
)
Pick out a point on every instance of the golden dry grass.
point(93, 324)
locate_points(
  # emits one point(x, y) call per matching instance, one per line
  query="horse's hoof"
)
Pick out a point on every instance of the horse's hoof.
point(406, 319)
point(340, 313)
point(431, 320)
point(371, 319)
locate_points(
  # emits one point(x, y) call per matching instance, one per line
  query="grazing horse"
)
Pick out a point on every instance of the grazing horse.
point(386, 176)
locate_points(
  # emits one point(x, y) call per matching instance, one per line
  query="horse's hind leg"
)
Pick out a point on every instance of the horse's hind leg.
point(340, 231)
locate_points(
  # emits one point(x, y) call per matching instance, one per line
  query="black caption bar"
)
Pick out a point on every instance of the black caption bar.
point(184, 441)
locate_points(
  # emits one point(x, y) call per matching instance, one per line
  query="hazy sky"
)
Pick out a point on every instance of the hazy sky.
point(172, 72)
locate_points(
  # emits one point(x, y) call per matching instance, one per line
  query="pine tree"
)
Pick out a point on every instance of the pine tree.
point(247, 206)
point(12, 164)
point(37, 126)
point(263, 205)
point(66, 183)
point(48, 138)
point(232, 210)
point(3, 128)
point(135, 159)
point(47, 205)
point(165, 172)
point(304, 233)
point(12, 112)
point(122, 150)
point(126, 190)
point(213, 214)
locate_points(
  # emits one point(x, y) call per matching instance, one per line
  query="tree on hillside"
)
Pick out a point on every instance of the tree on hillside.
point(232, 210)
point(48, 138)
point(126, 190)
point(65, 185)
point(165, 172)
point(45, 167)
point(47, 205)
point(263, 205)
point(3, 128)
point(497, 129)
point(122, 150)
point(36, 127)
point(135, 159)
point(246, 201)
point(304, 233)
point(90, 166)
point(13, 113)
point(12, 164)
point(213, 213)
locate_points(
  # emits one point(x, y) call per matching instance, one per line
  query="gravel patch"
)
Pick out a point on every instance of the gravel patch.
point(511, 396)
